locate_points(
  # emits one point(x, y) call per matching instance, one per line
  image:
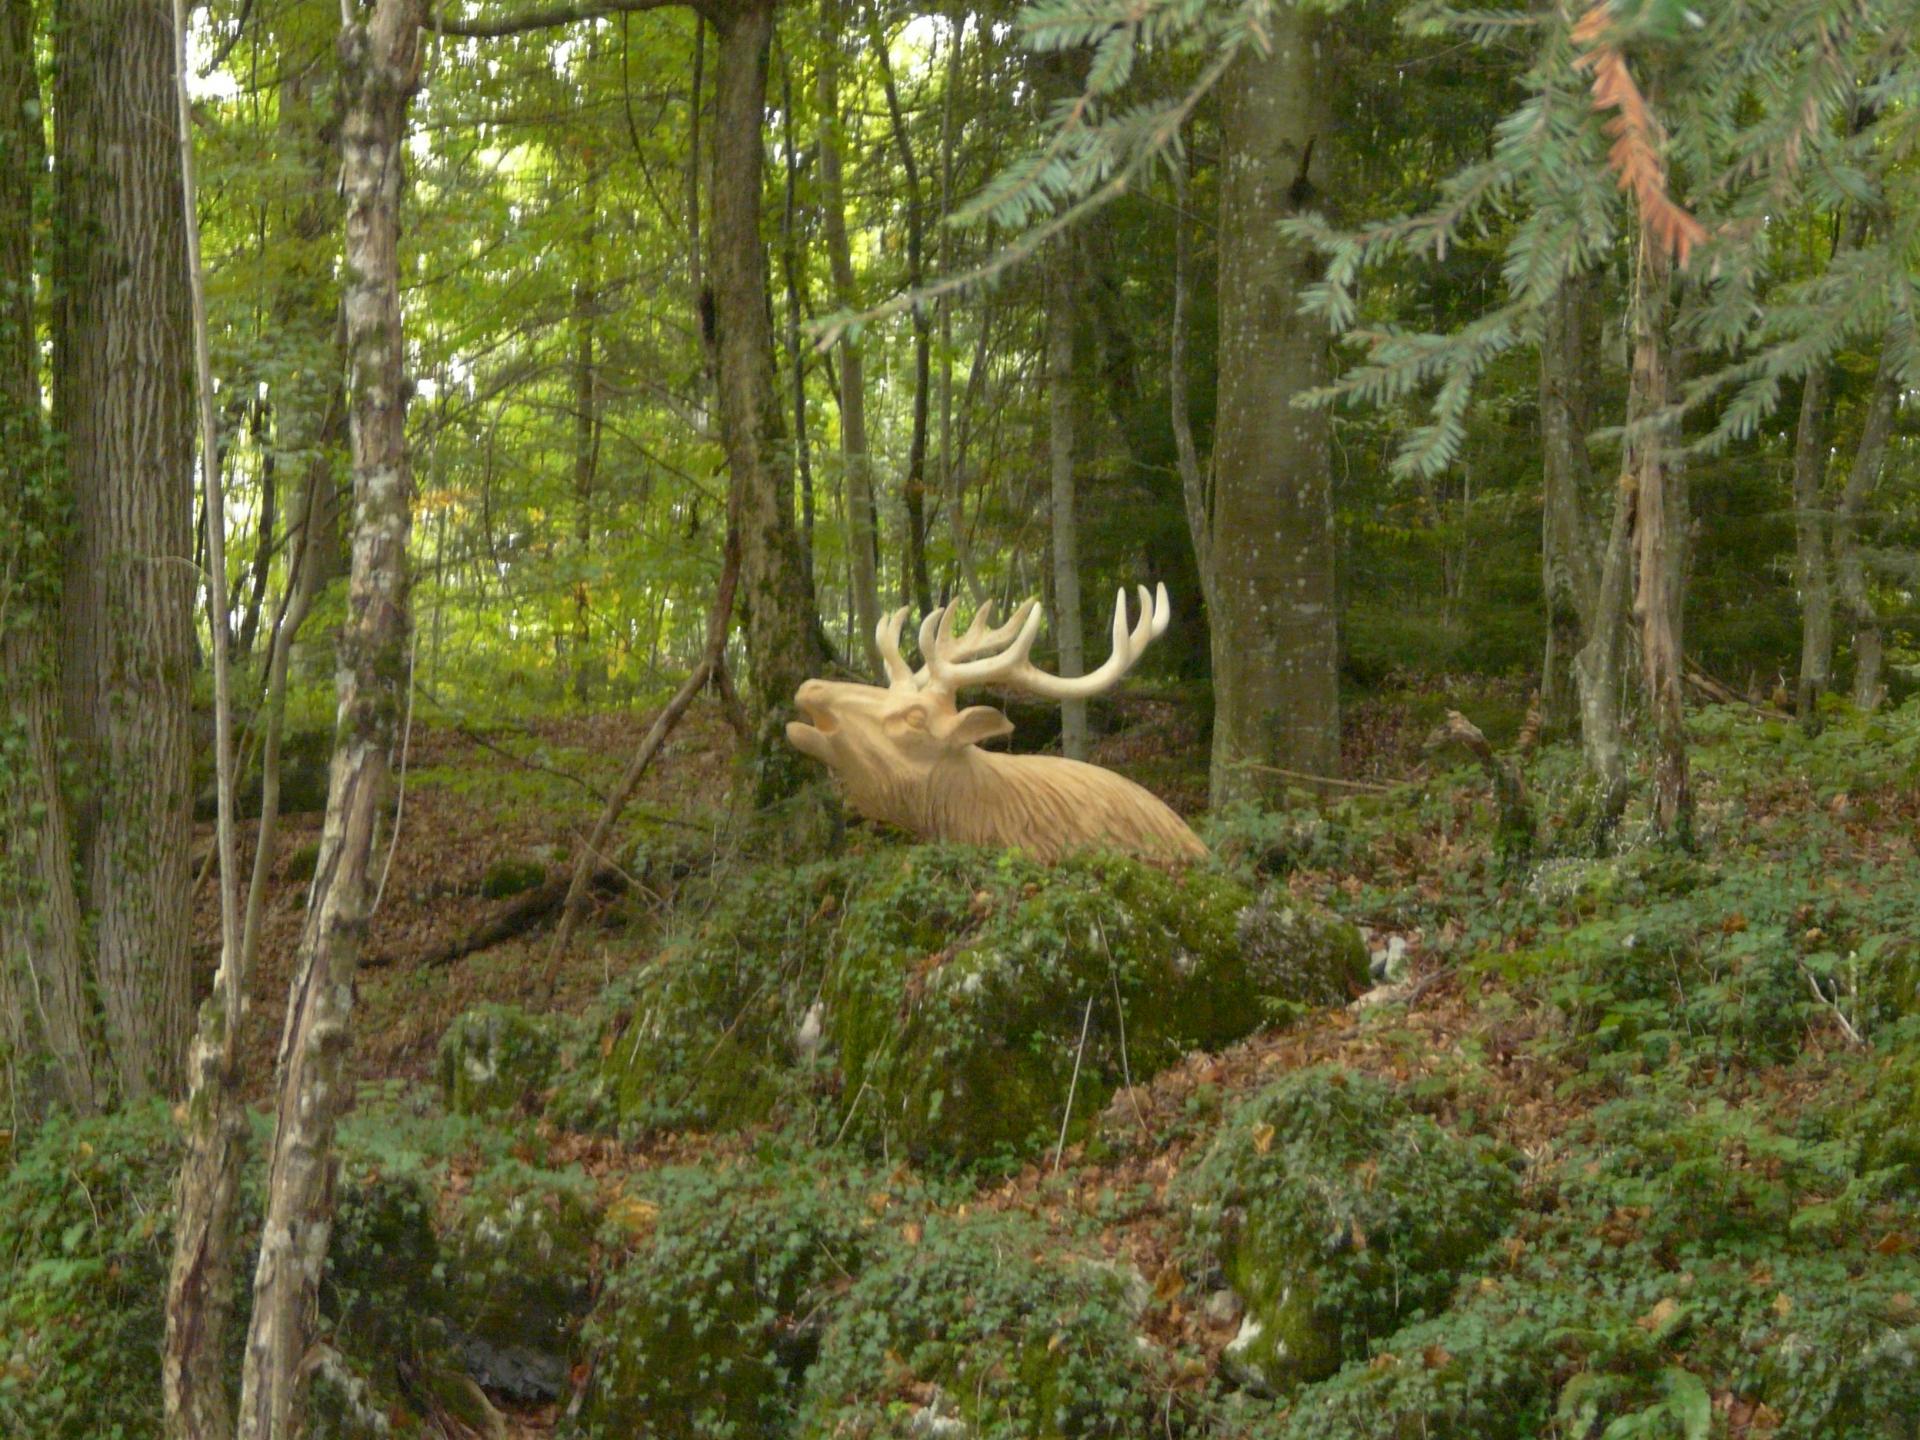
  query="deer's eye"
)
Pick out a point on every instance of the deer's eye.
point(916, 719)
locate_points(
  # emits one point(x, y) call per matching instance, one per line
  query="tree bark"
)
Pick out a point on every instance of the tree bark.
point(855, 459)
point(1863, 479)
point(586, 432)
point(950, 486)
point(916, 585)
point(199, 1303)
point(122, 405)
point(792, 268)
point(263, 549)
point(1570, 552)
point(1599, 667)
point(783, 633)
point(310, 425)
point(1660, 523)
point(1195, 492)
point(1066, 530)
point(380, 64)
point(1810, 547)
point(1275, 638)
point(199, 1299)
point(44, 1012)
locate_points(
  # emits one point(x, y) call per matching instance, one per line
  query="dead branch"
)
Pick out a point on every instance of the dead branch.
point(711, 667)
point(1509, 786)
point(1638, 138)
point(518, 916)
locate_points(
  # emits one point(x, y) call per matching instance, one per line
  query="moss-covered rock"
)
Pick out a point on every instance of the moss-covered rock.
point(1337, 1214)
point(972, 987)
point(1484, 1371)
point(708, 1327)
point(988, 1327)
point(519, 1268)
point(494, 1057)
point(306, 755)
point(1679, 1263)
point(384, 1282)
point(949, 999)
point(704, 1036)
point(389, 1363)
point(1300, 953)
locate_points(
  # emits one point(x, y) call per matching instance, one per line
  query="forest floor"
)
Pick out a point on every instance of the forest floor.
point(1540, 996)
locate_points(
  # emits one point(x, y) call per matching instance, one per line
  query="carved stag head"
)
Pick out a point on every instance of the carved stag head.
point(908, 755)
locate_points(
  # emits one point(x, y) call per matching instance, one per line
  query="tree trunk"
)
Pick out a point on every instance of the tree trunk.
point(199, 1303)
point(1599, 667)
point(263, 549)
point(1195, 492)
point(791, 265)
point(783, 633)
point(586, 434)
point(916, 584)
point(950, 486)
point(380, 69)
point(1810, 548)
point(199, 1298)
point(310, 424)
point(121, 403)
point(44, 1011)
point(1570, 555)
point(1140, 425)
point(1863, 479)
point(1660, 523)
point(1275, 636)
point(855, 459)
point(1066, 530)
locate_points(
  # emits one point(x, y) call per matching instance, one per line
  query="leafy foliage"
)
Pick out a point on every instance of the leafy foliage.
point(1336, 1213)
point(708, 1327)
point(989, 1322)
point(83, 1262)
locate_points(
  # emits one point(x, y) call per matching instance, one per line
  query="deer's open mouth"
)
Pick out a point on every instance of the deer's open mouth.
point(819, 720)
point(810, 701)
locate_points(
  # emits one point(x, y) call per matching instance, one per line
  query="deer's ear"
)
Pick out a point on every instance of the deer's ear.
point(975, 724)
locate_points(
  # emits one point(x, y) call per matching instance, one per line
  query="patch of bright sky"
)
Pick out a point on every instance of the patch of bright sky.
point(202, 44)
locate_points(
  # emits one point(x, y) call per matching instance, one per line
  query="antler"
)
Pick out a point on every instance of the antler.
point(950, 666)
point(982, 637)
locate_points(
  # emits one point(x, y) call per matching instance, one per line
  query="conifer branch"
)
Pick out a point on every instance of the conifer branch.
point(1636, 156)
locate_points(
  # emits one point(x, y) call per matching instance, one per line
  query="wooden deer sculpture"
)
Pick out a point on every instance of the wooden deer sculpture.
point(906, 756)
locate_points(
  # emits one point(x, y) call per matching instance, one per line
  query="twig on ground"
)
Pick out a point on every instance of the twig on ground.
point(1072, 1085)
point(1829, 1003)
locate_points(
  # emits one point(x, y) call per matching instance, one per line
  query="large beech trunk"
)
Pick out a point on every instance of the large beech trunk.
point(380, 71)
point(122, 397)
point(1271, 544)
point(783, 633)
point(43, 959)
